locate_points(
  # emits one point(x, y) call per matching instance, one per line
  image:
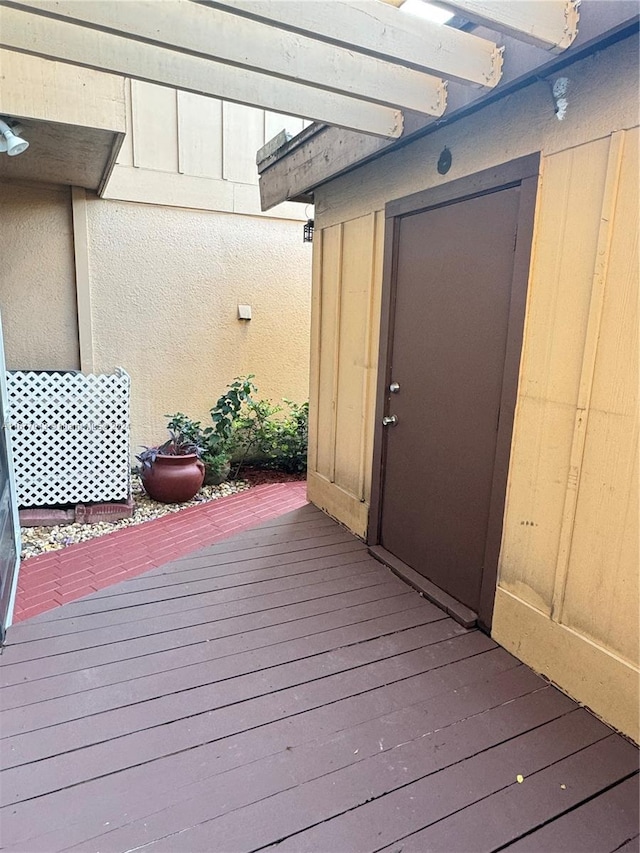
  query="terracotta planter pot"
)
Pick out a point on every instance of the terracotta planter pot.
point(173, 479)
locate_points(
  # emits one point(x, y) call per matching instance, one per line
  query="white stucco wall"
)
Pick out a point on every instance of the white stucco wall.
point(37, 278)
point(165, 286)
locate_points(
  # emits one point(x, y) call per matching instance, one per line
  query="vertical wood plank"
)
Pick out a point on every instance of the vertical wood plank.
point(563, 258)
point(601, 589)
point(155, 127)
point(337, 355)
point(589, 355)
point(328, 352)
point(374, 344)
point(199, 135)
point(366, 386)
point(375, 302)
point(357, 264)
point(317, 327)
point(243, 135)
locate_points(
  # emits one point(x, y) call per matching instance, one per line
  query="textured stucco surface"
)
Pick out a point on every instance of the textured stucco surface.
point(165, 286)
point(37, 279)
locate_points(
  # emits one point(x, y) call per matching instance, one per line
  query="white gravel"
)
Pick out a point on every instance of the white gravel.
point(38, 540)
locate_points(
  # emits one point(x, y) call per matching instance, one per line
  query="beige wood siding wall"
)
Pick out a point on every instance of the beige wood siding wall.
point(186, 150)
point(567, 601)
point(344, 352)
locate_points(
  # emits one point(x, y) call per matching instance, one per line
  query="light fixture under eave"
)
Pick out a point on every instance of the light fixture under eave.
point(10, 141)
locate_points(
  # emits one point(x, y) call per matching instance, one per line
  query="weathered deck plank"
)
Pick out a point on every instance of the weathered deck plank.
point(356, 697)
point(208, 649)
point(204, 627)
point(281, 689)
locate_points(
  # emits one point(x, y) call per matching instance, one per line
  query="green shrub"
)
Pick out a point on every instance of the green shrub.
point(270, 441)
point(245, 429)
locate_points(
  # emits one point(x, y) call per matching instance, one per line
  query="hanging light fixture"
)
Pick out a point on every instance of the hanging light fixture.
point(307, 236)
point(9, 139)
point(307, 233)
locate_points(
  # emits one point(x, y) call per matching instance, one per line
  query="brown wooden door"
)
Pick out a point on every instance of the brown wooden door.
point(444, 473)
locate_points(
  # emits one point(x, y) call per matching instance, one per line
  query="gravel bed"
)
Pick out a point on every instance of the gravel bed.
point(38, 540)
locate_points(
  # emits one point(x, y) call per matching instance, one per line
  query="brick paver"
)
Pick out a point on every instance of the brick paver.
point(54, 578)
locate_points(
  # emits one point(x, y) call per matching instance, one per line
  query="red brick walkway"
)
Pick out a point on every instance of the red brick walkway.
point(54, 578)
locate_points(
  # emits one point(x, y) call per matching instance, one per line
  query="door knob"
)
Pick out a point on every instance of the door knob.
point(389, 420)
point(394, 388)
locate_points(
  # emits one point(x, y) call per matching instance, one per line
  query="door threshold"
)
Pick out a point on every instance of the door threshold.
point(462, 614)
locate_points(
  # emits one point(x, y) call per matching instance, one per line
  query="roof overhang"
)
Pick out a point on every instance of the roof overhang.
point(73, 118)
point(362, 65)
point(321, 153)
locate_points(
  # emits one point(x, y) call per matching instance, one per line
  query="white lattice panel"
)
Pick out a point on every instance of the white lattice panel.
point(70, 436)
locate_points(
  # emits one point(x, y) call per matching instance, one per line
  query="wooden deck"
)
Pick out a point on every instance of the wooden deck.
point(282, 690)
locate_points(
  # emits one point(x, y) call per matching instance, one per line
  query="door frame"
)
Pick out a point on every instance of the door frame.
point(522, 172)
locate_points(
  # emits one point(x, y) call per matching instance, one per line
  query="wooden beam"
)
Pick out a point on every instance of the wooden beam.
point(552, 24)
point(243, 43)
point(54, 39)
point(306, 166)
point(379, 29)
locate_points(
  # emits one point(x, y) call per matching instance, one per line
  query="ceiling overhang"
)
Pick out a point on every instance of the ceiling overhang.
point(73, 119)
point(374, 74)
point(321, 153)
point(358, 64)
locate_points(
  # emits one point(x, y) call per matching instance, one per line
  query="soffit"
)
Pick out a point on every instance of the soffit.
point(62, 154)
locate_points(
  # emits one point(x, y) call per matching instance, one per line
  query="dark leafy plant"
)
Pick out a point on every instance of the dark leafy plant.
point(147, 457)
point(184, 426)
point(227, 409)
point(178, 444)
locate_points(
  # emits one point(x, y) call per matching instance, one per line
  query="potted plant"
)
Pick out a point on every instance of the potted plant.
point(174, 471)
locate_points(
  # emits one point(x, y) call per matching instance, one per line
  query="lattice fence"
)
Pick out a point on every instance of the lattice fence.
point(70, 436)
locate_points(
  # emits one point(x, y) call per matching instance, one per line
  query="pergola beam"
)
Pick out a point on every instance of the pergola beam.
point(246, 44)
point(79, 45)
point(552, 24)
point(379, 29)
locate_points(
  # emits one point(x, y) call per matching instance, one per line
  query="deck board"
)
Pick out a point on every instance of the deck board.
point(189, 631)
point(603, 824)
point(282, 690)
point(209, 646)
point(356, 698)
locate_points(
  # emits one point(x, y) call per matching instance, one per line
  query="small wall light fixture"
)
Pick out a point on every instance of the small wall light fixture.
point(559, 92)
point(558, 89)
point(9, 139)
point(307, 232)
